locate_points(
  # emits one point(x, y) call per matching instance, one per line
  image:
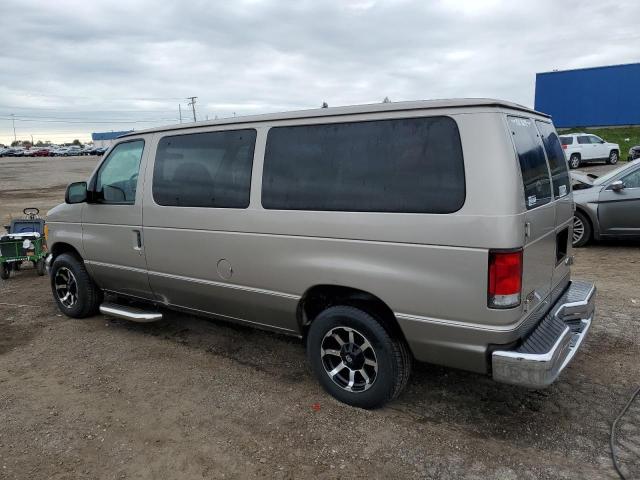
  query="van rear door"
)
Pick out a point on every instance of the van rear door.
point(540, 217)
point(563, 201)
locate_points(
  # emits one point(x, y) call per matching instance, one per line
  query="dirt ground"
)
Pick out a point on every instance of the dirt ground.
point(193, 398)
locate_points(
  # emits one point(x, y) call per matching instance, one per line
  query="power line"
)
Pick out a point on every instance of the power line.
point(47, 95)
point(87, 121)
point(62, 109)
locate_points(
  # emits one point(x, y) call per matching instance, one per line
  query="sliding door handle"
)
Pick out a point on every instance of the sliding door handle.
point(137, 240)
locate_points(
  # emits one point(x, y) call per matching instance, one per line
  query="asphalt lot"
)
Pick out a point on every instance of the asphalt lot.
point(196, 398)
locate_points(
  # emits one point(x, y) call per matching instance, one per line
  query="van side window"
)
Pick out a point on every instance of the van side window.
point(411, 165)
point(557, 160)
point(533, 165)
point(211, 169)
point(118, 175)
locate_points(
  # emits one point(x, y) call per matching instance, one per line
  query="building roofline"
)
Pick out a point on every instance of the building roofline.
point(601, 67)
point(347, 110)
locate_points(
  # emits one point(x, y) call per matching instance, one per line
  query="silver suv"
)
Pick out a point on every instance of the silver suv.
point(437, 231)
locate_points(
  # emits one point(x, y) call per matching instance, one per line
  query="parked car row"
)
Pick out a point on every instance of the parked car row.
point(52, 151)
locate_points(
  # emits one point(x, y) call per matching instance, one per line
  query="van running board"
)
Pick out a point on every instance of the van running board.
point(130, 313)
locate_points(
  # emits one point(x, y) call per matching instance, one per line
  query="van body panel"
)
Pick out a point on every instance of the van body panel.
point(254, 265)
point(538, 255)
point(65, 227)
point(110, 236)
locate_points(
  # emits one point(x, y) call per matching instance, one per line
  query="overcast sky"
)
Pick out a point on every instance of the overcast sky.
point(69, 68)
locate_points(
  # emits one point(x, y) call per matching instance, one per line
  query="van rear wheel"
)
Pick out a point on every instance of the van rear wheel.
point(355, 358)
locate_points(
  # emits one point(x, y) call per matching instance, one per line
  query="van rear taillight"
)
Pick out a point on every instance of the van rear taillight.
point(564, 147)
point(505, 279)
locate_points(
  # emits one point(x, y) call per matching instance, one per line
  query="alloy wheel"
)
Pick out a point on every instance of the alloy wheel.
point(578, 230)
point(575, 162)
point(349, 359)
point(66, 287)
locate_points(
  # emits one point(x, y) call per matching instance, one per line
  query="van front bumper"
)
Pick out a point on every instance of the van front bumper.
point(549, 348)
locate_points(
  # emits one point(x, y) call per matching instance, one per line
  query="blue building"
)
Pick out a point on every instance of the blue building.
point(105, 139)
point(591, 97)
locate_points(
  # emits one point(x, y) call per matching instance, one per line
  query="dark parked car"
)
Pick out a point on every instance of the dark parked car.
point(634, 152)
point(607, 206)
point(12, 152)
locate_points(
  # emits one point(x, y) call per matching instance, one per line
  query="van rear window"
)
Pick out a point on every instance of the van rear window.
point(557, 160)
point(533, 165)
point(411, 165)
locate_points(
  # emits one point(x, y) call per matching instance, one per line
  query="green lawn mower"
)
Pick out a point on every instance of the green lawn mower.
point(24, 242)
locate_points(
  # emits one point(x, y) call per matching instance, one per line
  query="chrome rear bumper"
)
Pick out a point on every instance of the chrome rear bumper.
point(548, 349)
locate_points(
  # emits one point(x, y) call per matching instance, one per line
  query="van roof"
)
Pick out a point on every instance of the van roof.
point(348, 110)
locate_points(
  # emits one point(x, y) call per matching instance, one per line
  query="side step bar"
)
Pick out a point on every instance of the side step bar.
point(130, 313)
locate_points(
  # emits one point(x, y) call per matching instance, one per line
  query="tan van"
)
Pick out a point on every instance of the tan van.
point(436, 230)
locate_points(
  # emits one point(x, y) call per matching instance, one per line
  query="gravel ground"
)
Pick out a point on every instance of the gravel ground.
point(195, 398)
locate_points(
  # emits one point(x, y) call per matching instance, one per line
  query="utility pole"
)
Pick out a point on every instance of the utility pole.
point(180, 112)
point(13, 120)
point(193, 106)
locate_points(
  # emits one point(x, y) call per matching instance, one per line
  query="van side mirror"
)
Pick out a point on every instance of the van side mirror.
point(76, 193)
point(617, 186)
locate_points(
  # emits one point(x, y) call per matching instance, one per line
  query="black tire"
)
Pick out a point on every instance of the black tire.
point(613, 157)
point(5, 271)
point(40, 267)
point(390, 353)
point(580, 217)
point(16, 266)
point(574, 161)
point(86, 293)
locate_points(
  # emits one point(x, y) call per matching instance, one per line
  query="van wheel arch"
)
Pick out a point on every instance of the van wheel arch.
point(60, 248)
point(320, 297)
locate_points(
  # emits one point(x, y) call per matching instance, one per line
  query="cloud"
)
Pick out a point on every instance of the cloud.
point(111, 62)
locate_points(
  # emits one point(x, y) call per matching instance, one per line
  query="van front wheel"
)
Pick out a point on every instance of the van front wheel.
point(73, 289)
point(355, 358)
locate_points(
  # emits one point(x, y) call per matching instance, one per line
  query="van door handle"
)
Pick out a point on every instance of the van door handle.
point(137, 240)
